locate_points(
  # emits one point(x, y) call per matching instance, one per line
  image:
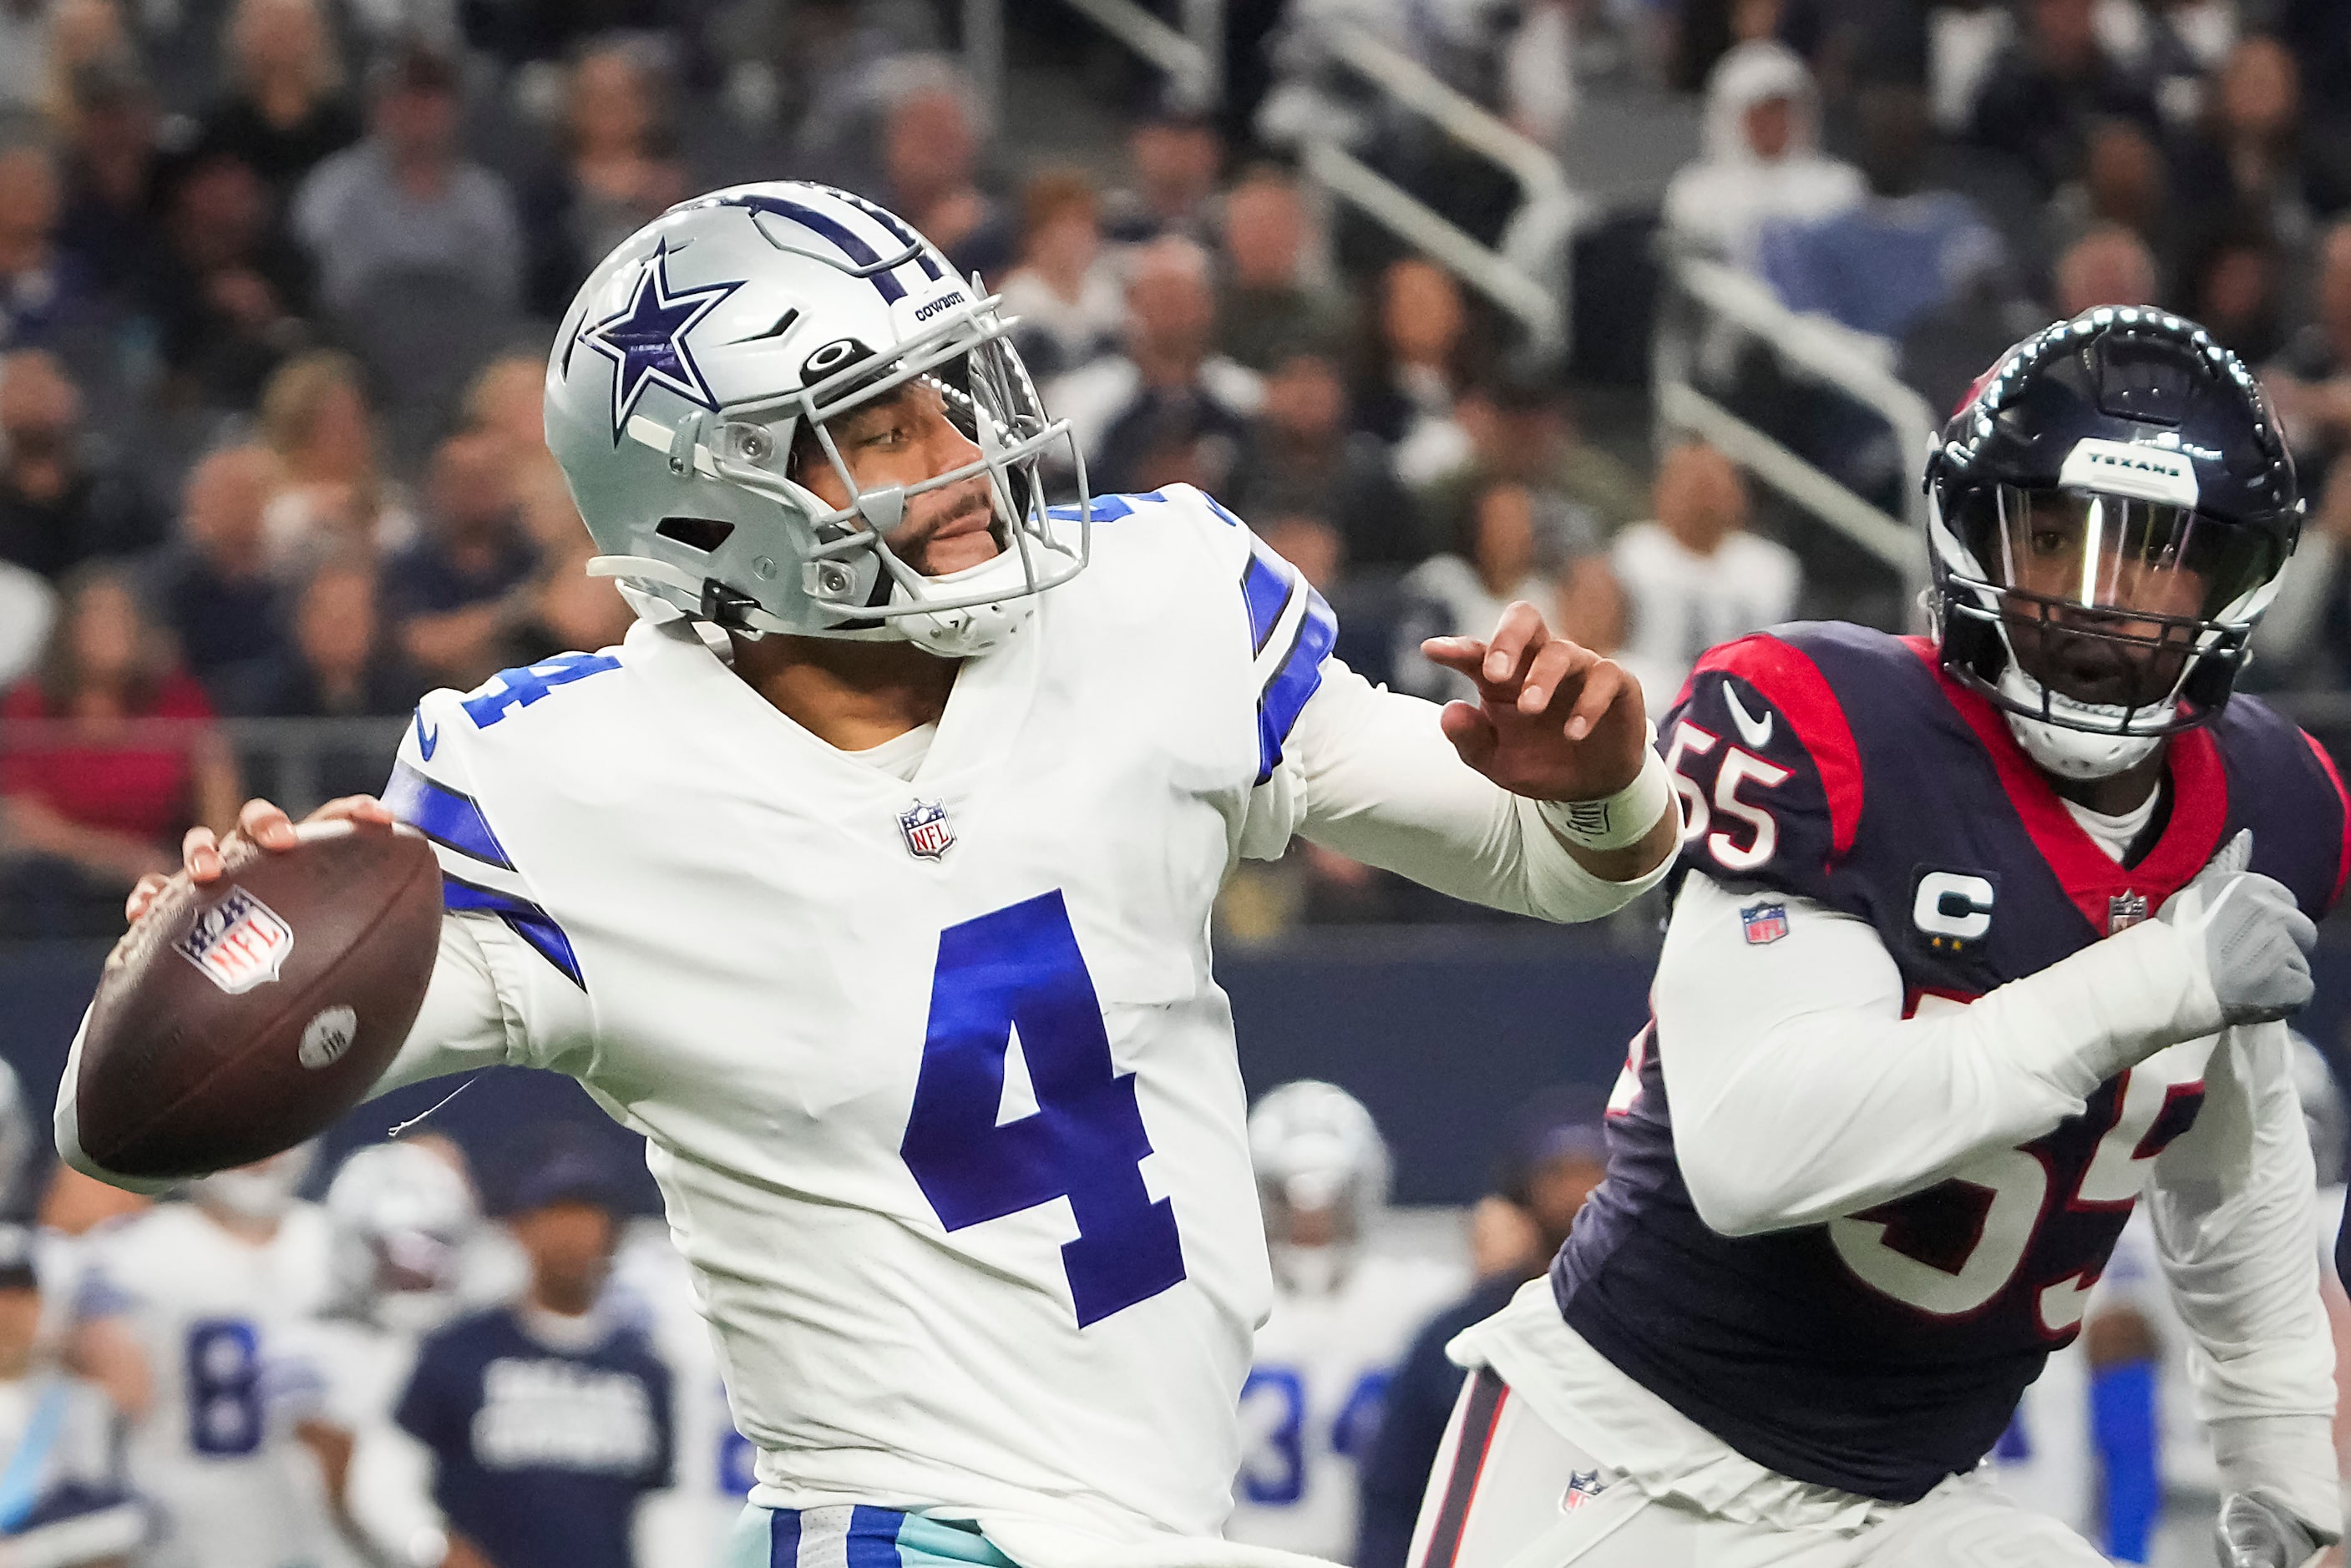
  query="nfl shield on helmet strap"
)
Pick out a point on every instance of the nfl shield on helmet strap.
point(704, 357)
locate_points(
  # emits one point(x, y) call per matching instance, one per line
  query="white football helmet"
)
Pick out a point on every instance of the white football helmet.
point(258, 1192)
point(695, 372)
point(401, 1217)
point(1322, 1175)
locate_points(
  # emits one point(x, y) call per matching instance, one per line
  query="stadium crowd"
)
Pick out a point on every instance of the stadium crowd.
point(277, 276)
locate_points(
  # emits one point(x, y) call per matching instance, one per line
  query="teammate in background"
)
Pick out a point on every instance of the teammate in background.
point(547, 1419)
point(210, 1295)
point(871, 879)
point(1975, 939)
point(405, 1241)
point(1343, 1315)
point(65, 1497)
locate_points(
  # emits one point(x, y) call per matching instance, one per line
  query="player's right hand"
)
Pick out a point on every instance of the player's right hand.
point(2257, 1530)
point(2254, 939)
point(260, 822)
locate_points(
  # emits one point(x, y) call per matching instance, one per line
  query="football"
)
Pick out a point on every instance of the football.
point(242, 1017)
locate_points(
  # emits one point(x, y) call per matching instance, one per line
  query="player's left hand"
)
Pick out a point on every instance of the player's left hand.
point(2257, 1530)
point(1554, 720)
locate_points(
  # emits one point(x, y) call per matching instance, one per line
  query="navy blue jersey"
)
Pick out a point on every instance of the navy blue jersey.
point(541, 1455)
point(1883, 1351)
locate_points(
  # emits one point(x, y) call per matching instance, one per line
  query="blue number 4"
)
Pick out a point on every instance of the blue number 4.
point(1020, 967)
point(522, 686)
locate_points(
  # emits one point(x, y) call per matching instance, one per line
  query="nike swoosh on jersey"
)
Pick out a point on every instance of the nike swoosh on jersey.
point(1755, 733)
point(428, 739)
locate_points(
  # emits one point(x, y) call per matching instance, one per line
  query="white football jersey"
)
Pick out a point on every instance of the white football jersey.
point(220, 1322)
point(1311, 1406)
point(938, 1087)
point(689, 1522)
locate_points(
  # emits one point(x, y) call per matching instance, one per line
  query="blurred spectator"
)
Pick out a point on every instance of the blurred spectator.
point(1518, 545)
point(285, 109)
point(314, 415)
point(42, 289)
point(549, 1420)
point(404, 200)
point(106, 224)
point(507, 403)
point(2305, 640)
point(96, 801)
point(615, 175)
point(336, 663)
point(1301, 458)
point(2050, 86)
point(1176, 155)
point(1418, 353)
point(69, 1503)
point(1267, 302)
point(211, 586)
point(2251, 165)
point(2310, 382)
point(1167, 390)
point(459, 598)
point(2234, 289)
point(1520, 429)
point(28, 609)
point(1762, 161)
point(24, 55)
point(230, 289)
point(62, 502)
point(1552, 1159)
point(2125, 182)
point(1064, 295)
point(1965, 39)
point(2108, 265)
point(1895, 258)
point(1695, 577)
point(934, 127)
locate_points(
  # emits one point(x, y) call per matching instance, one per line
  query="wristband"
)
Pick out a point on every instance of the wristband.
point(1617, 821)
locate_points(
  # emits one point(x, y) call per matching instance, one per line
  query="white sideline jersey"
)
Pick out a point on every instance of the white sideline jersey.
point(939, 1090)
point(220, 1321)
point(1310, 1407)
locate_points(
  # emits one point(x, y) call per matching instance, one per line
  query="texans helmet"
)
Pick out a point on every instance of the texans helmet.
point(2112, 505)
point(689, 390)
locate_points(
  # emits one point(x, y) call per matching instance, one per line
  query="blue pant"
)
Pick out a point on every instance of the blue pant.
point(855, 1538)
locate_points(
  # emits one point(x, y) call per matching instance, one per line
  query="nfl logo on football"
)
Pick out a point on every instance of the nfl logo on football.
point(239, 942)
point(928, 836)
point(1764, 923)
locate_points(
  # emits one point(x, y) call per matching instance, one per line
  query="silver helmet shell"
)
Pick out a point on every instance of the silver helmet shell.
point(692, 380)
point(1321, 1167)
point(401, 1217)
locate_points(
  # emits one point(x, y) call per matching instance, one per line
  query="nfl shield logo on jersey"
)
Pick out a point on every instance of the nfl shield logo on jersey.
point(925, 824)
point(1765, 923)
point(2125, 911)
point(1583, 1487)
point(239, 942)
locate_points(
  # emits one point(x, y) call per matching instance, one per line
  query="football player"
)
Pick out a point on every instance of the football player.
point(1343, 1315)
point(1976, 937)
point(869, 878)
point(212, 1292)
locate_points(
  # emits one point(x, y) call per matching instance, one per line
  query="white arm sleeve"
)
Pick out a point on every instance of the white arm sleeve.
point(1808, 1032)
point(1367, 773)
point(2230, 1203)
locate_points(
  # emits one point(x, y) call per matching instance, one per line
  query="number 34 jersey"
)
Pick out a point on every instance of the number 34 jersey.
point(1829, 768)
point(939, 1090)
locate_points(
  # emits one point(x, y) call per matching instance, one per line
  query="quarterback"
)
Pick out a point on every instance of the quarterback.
point(869, 878)
point(1976, 938)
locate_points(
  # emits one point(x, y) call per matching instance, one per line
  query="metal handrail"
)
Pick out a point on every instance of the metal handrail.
point(1823, 350)
point(1194, 56)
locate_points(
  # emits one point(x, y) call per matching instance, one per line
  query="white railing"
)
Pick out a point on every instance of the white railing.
point(1705, 298)
point(1193, 55)
point(1527, 274)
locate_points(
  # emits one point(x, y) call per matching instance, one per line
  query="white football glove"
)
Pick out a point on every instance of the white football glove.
point(2258, 1531)
point(2254, 940)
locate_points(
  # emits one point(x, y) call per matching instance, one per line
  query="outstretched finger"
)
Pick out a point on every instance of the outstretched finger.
point(1557, 668)
point(1465, 655)
point(1517, 636)
point(1604, 684)
point(266, 825)
point(200, 853)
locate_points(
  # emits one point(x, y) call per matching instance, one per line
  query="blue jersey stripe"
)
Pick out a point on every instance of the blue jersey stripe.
point(784, 1538)
point(1264, 589)
point(1298, 678)
point(873, 1538)
point(444, 815)
point(524, 918)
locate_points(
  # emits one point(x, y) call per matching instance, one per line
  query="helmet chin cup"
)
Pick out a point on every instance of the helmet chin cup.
point(973, 630)
point(2090, 746)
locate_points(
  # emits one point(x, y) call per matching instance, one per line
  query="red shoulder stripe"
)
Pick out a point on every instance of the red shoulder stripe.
point(2342, 864)
point(1788, 680)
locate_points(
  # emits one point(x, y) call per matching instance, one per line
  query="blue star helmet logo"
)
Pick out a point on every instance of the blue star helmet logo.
point(646, 340)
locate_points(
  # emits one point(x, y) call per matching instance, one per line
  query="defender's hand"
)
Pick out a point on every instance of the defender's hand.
point(2258, 1531)
point(2254, 940)
point(1553, 720)
point(260, 822)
